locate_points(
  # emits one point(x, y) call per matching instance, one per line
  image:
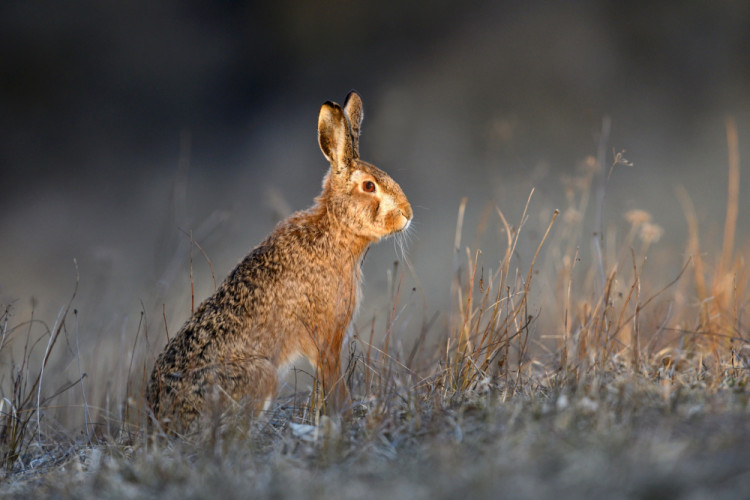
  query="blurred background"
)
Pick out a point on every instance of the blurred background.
point(125, 127)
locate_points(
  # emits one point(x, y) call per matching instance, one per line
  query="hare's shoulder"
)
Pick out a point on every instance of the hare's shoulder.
point(295, 241)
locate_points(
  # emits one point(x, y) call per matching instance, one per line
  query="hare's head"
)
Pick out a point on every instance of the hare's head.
point(359, 195)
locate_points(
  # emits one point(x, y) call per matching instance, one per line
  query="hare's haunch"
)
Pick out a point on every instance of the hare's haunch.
point(294, 294)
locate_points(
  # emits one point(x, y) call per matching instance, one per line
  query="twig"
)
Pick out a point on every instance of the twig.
point(192, 285)
point(730, 223)
point(164, 315)
point(132, 356)
point(54, 334)
point(600, 191)
point(81, 376)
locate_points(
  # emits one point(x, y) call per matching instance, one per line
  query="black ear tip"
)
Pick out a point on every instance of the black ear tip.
point(330, 108)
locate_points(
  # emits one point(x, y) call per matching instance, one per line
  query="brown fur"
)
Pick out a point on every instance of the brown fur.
point(293, 295)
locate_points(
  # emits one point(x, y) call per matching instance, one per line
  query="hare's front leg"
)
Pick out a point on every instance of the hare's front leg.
point(330, 376)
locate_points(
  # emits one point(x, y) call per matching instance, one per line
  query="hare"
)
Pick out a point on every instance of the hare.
point(293, 296)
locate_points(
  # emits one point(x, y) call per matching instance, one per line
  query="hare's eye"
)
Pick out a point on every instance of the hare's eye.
point(368, 187)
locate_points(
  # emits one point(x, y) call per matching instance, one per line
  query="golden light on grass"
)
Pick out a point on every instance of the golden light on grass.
point(536, 358)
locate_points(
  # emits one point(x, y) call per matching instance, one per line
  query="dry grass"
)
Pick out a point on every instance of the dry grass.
point(603, 383)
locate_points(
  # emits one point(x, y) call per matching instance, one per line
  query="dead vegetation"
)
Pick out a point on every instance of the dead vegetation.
point(606, 383)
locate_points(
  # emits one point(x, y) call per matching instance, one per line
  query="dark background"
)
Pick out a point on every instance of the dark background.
point(124, 125)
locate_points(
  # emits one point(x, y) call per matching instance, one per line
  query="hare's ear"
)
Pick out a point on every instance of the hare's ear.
point(353, 109)
point(334, 136)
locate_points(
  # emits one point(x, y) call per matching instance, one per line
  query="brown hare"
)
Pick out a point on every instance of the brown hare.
point(293, 296)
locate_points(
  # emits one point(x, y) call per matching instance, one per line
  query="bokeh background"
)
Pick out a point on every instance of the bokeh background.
point(125, 126)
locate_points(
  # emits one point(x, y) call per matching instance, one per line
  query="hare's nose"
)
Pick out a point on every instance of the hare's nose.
point(406, 214)
point(406, 211)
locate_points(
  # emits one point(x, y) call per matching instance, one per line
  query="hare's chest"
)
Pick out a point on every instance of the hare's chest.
point(329, 295)
point(348, 294)
point(356, 293)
